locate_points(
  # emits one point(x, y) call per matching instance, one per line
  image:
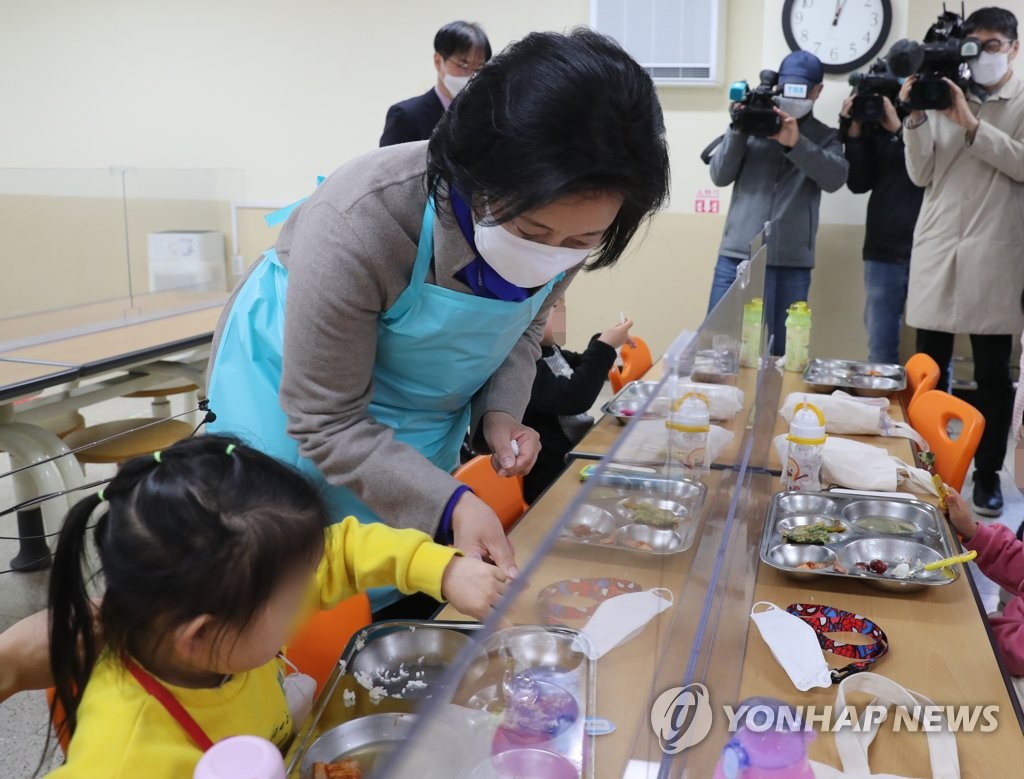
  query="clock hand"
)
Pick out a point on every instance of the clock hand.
point(840, 4)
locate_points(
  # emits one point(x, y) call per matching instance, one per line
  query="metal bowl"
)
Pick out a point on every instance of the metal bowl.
point(892, 551)
point(647, 538)
point(408, 662)
point(536, 648)
point(806, 504)
point(873, 386)
point(626, 510)
point(792, 556)
point(670, 489)
point(897, 511)
point(366, 740)
point(589, 524)
point(517, 763)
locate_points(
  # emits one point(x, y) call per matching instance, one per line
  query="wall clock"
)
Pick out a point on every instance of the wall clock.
point(843, 34)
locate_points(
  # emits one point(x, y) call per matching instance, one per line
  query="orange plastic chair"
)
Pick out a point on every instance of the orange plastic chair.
point(636, 361)
point(318, 644)
point(930, 415)
point(922, 376)
point(504, 495)
point(315, 648)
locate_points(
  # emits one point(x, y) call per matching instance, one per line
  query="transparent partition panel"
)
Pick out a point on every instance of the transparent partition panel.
point(637, 584)
point(64, 248)
point(182, 236)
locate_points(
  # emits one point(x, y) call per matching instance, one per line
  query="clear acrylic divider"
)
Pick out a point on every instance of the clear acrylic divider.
point(97, 249)
point(537, 695)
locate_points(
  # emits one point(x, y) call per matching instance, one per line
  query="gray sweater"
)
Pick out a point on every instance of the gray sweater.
point(774, 185)
point(349, 251)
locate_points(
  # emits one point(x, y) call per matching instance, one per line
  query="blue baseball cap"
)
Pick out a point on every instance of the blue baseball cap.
point(801, 67)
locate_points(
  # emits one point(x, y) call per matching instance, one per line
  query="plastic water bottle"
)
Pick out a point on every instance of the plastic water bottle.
point(798, 337)
point(689, 425)
point(241, 757)
point(805, 448)
point(750, 348)
point(778, 751)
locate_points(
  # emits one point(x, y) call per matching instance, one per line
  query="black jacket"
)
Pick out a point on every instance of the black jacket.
point(560, 396)
point(412, 119)
point(877, 166)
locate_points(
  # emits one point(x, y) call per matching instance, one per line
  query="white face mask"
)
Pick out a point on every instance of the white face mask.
point(794, 645)
point(454, 84)
point(299, 692)
point(519, 261)
point(989, 69)
point(797, 107)
point(621, 618)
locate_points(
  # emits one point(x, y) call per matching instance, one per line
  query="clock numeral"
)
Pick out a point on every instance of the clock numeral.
point(798, 17)
point(833, 54)
point(874, 20)
point(803, 35)
point(853, 48)
point(817, 46)
point(807, 4)
point(867, 37)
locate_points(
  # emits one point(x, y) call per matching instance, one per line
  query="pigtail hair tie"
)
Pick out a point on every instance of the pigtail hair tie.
point(101, 495)
point(157, 455)
point(230, 450)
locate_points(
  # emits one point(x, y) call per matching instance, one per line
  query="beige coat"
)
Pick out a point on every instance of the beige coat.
point(967, 264)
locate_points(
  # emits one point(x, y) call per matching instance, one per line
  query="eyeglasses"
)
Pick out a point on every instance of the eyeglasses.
point(467, 68)
point(996, 45)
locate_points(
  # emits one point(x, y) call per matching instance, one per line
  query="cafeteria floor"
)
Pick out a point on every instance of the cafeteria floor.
point(23, 718)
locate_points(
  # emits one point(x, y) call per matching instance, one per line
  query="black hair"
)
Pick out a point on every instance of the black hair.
point(461, 38)
point(555, 115)
point(992, 18)
point(207, 530)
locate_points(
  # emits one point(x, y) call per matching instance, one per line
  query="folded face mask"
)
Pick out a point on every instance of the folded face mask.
point(621, 618)
point(794, 645)
point(299, 692)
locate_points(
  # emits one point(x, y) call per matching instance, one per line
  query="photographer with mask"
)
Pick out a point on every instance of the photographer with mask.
point(966, 268)
point(779, 179)
point(875, 153)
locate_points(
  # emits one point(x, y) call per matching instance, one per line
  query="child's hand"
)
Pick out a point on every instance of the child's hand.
point(960, 515)
point(473, 586)
point(616, 335)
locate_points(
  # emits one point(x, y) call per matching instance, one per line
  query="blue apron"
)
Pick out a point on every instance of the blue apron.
point(436, 348)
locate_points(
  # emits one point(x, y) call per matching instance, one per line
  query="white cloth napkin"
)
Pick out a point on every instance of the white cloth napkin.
point(860, 466)
point(846, 414)
point(647, 442)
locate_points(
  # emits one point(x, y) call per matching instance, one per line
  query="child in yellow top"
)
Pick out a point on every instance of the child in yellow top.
point(210, 552)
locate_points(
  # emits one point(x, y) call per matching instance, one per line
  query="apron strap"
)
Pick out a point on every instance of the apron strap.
point(166, 699)
point(424, 256)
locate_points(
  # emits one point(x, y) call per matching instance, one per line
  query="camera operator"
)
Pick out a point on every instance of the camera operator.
point(875, 153)
point(779, 179)
point(967, 268)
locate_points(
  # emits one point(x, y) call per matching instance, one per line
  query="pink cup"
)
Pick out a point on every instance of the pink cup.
point(241, 757)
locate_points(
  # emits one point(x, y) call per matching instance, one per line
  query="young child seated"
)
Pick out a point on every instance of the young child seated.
point(566, 386)
point(211, 553)
point(1000, 558)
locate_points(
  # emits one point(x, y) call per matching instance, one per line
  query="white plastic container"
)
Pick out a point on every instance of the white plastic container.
point(688, 427)
point(806, 447)
point(241, 757)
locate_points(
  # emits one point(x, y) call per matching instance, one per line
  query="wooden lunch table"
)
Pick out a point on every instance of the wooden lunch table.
point(939, 638)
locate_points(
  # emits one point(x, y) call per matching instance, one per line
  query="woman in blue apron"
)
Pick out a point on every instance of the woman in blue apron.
point(404, 301)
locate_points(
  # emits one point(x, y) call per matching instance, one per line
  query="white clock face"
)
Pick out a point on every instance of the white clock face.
point(843, 34)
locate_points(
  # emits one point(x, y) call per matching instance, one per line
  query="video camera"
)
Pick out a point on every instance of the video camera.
point(942, 55)
point(753, 111)
point(871, 89)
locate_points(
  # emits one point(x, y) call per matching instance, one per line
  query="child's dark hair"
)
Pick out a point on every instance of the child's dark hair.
point(461, 38)
point(210, 528)
point(555, 115)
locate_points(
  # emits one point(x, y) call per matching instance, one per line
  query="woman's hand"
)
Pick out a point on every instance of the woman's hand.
point(960, 515)
point(473, 586)
point(479, 534)
point(500, 430)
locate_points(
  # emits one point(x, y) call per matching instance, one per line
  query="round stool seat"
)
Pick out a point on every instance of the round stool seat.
point(178, 388)
point(135, 444)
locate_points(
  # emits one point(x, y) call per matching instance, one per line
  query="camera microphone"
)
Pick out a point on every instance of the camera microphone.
point(905, 58)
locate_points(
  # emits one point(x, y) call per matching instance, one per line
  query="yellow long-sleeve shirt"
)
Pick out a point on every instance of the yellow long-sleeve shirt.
point(124, 733)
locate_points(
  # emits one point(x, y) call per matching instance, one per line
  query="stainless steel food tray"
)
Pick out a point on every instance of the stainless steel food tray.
point(922, 536)
point(716, 366)
point(630, 399)
point(606, 519)
point(389, 655)
point(869, 379)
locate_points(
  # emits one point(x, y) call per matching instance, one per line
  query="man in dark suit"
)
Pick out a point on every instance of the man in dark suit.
point(460, 50)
